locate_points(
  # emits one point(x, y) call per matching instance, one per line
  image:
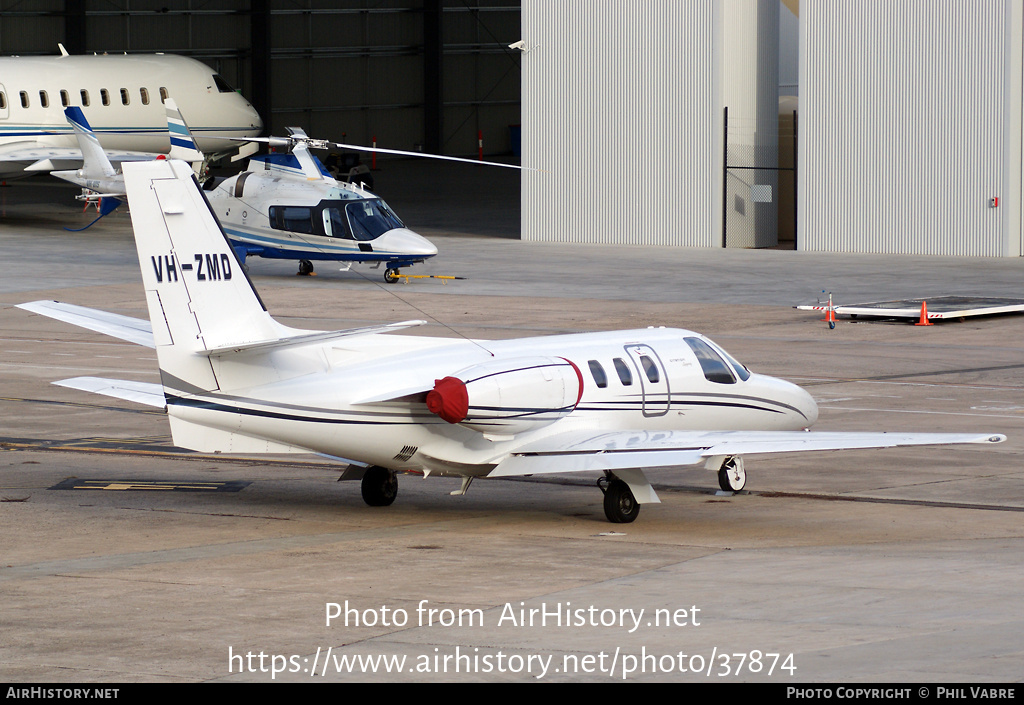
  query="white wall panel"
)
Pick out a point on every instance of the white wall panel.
point(909, 125)
point(619, 111)
point(623, 113)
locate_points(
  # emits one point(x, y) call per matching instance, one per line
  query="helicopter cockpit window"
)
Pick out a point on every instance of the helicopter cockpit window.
point(371, 218)
point(296, 219)
point(714, 367)
point(335, 223)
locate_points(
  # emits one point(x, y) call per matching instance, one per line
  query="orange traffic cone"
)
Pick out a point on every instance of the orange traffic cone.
point(830, 317)
point(924, 316)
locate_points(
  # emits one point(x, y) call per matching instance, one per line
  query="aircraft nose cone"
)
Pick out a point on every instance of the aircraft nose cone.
point(808, 407)
point(800, 409)
point(403, 241)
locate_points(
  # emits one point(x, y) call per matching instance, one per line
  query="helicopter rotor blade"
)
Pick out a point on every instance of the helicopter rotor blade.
point(423, 155)
point(290, 142)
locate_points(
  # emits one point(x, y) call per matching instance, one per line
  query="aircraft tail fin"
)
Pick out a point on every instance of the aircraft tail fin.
point(183, 145)
point(95, 164)
point(199, 296)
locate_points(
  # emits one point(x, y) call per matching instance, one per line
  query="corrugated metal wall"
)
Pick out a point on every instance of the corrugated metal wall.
point(623, 113)
point(909, 126)
point(619, 112)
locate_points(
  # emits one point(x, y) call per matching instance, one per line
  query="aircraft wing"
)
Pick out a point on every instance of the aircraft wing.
point(140, 331)
point(134, 330)
point(578, 451)
point(140, 392)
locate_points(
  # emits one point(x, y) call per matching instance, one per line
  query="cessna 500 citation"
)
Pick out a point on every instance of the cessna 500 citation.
point(234, 380)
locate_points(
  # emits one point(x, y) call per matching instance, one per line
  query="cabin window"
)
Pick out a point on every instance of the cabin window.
point(714, 367)
point(125, 100)
point(600, 378)
point(650, 369)
point(65, 99)
point(295, 219)
point(144, 93)
point(622, 369)
point(3, 101)
point(24, 99)
point(85, 98)
point(44, 99)
point(163, 94)
point(105, 96)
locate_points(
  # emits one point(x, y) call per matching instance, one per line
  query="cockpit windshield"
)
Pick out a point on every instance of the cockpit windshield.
point(371, 218)
point(362, 220)
point(713, 362)
point(222, 85)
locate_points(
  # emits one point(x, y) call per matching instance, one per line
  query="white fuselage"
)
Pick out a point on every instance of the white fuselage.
point(122, 98)
point(327, 412)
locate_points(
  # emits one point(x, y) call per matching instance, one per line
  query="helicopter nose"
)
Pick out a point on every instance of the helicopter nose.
point(402, 241)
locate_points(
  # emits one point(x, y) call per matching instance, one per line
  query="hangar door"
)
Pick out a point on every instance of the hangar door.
point(759, 184)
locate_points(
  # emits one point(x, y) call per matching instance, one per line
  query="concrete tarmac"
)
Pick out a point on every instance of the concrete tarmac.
point(897, 566)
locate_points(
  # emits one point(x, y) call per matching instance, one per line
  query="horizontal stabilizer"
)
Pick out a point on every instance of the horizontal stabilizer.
point(326, 336)
point(616, 450)
point(134, 330)
point(140, 392)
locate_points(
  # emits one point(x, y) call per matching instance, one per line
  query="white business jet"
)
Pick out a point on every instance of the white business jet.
point(235, 380)
point(122, 97)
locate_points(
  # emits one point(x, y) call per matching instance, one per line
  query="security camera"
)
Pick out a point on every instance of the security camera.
point(520, 45)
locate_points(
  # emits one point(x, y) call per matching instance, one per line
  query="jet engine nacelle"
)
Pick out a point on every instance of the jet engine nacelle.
point(506, 397)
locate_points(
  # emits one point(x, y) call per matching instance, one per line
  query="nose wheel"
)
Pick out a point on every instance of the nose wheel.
point(731, 476)
point(391, 275)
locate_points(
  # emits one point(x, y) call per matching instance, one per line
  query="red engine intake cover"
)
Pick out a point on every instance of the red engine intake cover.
point(449, 399)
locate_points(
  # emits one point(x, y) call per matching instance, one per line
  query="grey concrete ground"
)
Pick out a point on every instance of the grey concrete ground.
point(867, 566)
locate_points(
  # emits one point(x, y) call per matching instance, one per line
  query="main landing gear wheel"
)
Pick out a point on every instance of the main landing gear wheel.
point(732, 477)
point(620, 506)
point(305, 268)
point(379, 486)
point(391, 275)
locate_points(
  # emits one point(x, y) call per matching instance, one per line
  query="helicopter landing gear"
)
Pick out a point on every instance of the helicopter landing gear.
point(305, 268)
point(391, 275)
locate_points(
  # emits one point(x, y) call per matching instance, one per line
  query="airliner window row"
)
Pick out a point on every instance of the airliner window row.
point(65, 97)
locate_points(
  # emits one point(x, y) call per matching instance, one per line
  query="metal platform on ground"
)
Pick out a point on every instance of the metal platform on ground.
point(939, 307)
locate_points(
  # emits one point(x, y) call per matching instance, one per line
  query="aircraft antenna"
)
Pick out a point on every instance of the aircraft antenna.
point(390, 290)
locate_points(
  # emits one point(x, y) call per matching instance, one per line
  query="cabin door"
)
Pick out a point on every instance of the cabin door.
point(653, 380)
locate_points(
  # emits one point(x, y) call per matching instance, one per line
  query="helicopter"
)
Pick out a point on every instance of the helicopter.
point(284, 205)
point(287, 205)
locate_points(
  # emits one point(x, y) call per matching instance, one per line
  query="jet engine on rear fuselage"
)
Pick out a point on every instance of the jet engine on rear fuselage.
point(506, 397)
